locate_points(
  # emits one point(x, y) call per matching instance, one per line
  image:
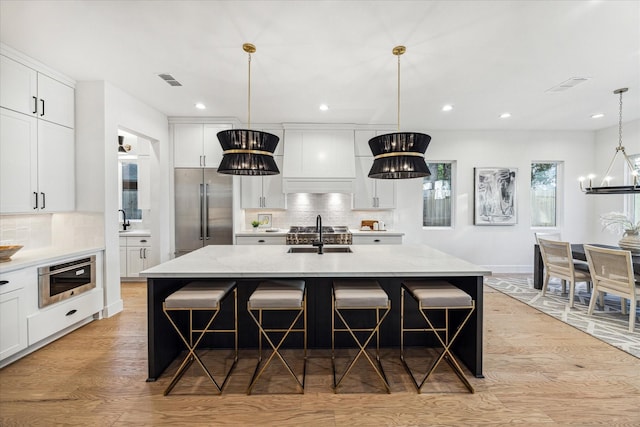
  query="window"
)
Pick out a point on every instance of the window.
point(129, 170)
point(436, 195)
point(544, 195)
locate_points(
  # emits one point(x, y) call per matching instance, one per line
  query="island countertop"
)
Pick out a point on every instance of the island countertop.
point(265, 261)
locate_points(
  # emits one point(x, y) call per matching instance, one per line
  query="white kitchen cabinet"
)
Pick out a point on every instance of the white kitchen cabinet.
point(260, 240)
point(263, 191)
point(136, 252)
point(372, 193)
point(196, 145)
point(317, 154)
point(37, 165)
point(13, 316)
point(377, 239)
point(27, 91)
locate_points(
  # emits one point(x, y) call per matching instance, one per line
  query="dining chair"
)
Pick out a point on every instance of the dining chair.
point(547, 236)
point(612, 272)
point(558, 262)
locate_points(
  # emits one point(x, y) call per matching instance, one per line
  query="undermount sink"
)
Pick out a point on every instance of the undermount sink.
point(308, 250)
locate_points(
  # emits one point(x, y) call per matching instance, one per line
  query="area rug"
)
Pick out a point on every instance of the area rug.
point(608, 324)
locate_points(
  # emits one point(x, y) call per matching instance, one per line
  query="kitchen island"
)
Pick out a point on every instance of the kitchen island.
point(249, 264)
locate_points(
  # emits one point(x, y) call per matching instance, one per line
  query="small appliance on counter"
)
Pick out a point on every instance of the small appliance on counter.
point(372, 225)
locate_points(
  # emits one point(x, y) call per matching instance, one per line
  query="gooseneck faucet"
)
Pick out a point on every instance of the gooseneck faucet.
point(319, 243)
point(125, 222)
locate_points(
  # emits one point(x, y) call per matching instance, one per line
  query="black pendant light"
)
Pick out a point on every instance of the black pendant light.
point(399, 155)
point(246, 151)
point(604, 187)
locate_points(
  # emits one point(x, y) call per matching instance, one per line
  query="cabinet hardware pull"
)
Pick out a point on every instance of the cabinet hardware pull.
point(4, 282)
point(260, 241)
point(377, 240)
point(71, 312)
point(43, 200)
point(204, 161)
point(143, 241)
point(42, 112)
point(144, 252)
point(36, 199)
point(35, 104)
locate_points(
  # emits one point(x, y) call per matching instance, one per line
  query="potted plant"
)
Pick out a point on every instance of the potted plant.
point(255, 225)
point(620, 223)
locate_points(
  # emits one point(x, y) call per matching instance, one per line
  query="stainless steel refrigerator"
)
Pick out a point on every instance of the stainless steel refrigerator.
point(203, 208)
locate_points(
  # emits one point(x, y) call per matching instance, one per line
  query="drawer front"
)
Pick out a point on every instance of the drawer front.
point(64, 314)
point(377, 240)
point(138, 241)
point(18, 279)
point(260, 240)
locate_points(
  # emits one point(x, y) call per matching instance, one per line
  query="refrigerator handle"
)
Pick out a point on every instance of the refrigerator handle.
point(206, 210)
point(201, 200)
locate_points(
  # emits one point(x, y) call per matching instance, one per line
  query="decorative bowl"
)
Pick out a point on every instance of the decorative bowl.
point(7, 251)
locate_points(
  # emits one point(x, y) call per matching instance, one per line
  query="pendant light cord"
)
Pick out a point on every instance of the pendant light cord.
point(249, 97)
point(620, 123)
point(398, 93)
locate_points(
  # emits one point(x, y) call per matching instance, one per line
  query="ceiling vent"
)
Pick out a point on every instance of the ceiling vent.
point(567, 84)
point(169, 79)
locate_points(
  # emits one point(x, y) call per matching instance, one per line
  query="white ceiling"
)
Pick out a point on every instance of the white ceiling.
point(484, 57)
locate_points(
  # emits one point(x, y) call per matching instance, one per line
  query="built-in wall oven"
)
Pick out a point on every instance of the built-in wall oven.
point(61, 281)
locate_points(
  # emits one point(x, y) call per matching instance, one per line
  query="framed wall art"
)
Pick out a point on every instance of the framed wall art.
point(495, 196)
point(264, 220)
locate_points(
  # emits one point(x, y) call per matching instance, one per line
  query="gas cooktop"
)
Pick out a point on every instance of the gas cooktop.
point(306, 235)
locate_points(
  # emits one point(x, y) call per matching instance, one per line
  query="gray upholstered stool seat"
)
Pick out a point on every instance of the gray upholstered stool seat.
point(199, 295)
point(278, 294)
point(431, 297)
point(285, 296)
point(359, 293)
point(350, 295)
point(205, 297)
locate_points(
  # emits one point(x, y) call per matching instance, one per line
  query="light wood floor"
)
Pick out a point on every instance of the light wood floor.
point(538, 371)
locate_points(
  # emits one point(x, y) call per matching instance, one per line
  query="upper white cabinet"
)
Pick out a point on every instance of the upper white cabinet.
point(27, 91)
point(372, 193)
point(319, 154)
point(263, 191)
point(37, 142)
point(196, 145)
point(36, 165)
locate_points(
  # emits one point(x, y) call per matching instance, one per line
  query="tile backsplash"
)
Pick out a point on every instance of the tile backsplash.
point(302, 209)
point(73, 229)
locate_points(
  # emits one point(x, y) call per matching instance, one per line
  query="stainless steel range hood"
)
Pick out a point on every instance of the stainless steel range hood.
point(319, 161)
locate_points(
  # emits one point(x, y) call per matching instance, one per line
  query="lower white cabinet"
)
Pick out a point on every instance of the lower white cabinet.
point(13, 316)
point(377, 239)
point(48, 321)
point(260, 240)
point(135, 253)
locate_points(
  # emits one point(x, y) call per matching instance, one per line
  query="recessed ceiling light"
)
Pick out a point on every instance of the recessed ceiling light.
point(505, 115)
point(201, 106)
point(597, 116)
point(324, 107)
point(447, 107)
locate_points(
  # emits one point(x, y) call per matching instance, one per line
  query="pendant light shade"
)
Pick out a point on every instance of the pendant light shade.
point(246, 151)
point(399, 155)
point(604, 187)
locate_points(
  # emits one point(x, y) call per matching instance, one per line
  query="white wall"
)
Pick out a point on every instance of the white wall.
point(500, 248)
point(606, 143)
point(101, 109)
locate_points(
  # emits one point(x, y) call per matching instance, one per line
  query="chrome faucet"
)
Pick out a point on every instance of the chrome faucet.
point(319, 243)
point(125, 222)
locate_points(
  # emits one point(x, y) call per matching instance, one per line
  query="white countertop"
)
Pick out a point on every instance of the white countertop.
point(37, 257)
point(274, 232)
point(283, 232)
point(263, 261)
point(135, 233)
point(375, 232)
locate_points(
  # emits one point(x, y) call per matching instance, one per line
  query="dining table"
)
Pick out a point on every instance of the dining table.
point(577, 252)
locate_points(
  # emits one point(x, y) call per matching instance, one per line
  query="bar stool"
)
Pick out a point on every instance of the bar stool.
point(201, 297)
point(283, 296)
point(353, 295)
point(438, 296)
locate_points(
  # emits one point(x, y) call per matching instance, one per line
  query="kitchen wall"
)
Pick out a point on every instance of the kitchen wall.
point(335, 208)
